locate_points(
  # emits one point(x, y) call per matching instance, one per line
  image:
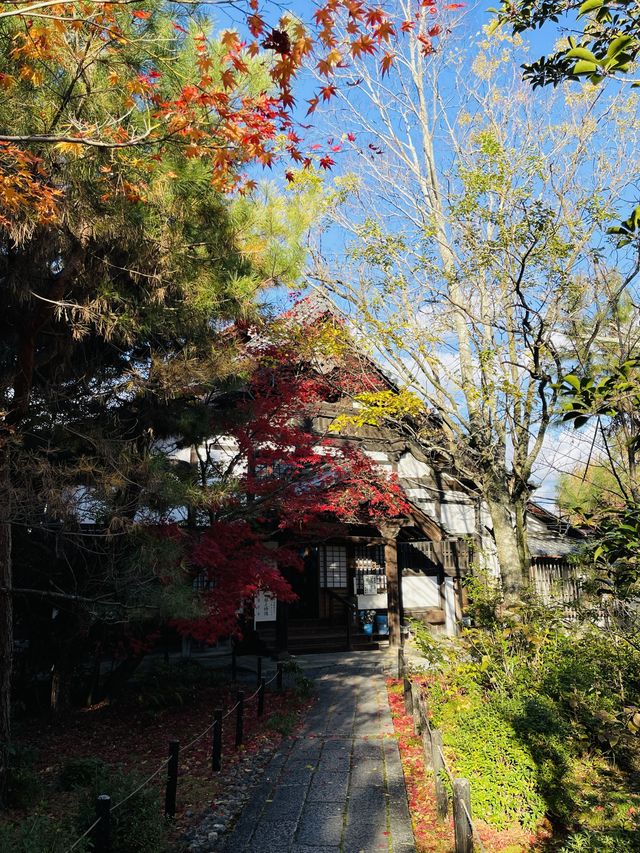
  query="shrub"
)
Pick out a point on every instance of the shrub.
point(23, 782)
point(83, 773)
point(617, 841)
point(174, 684)
point(302, 686)
point(138, 825)
point(555, 708)
point(488, 752)
point(39, 835)
point(282, 723)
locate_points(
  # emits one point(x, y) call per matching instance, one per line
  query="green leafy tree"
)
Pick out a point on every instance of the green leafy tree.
point(471, 227)
point(602, 38)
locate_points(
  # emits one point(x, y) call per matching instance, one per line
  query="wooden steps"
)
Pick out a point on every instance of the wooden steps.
point(307, 636)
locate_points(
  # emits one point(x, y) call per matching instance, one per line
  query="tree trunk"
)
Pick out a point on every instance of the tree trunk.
point(394, 583)
point(6, 619)
point(512, 571)
point(520, 507)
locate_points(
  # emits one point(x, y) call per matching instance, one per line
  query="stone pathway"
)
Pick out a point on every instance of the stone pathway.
point(337, 787)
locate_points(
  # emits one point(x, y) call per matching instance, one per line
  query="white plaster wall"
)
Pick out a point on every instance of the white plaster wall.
point(420, 592)
point(451, 626)
point(458, 518)
point(409, 466)
point(378, 456)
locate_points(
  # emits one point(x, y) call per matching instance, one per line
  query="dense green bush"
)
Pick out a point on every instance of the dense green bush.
point(617, 841)
point(542, 717)
point(83, 773)
point(39, 835)
point(138, 825)
point(487, 751)
point(173, 684)
point(24, 787)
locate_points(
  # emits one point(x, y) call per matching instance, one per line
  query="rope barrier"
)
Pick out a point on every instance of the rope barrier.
point(230, 711)
point(473, 829)
point(253, 695)
point(445, 766)
point(164, 764)
point(197, 737)
point(141, 786)
point(84, 835)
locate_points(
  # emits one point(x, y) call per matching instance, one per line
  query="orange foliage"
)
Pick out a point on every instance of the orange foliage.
point(214, 116)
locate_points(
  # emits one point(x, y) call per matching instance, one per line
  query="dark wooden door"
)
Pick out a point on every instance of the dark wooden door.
point(306, 585)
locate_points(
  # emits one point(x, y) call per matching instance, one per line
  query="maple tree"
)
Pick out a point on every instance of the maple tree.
point(112, 78)
point(280, 483)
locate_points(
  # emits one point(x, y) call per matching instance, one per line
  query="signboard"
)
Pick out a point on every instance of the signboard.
point(265, 607)
point(370, 584)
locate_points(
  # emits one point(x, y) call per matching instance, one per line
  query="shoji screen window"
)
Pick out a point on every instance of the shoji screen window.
point(333, 566)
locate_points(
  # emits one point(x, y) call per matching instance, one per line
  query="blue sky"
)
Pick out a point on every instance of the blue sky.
point(563, 447)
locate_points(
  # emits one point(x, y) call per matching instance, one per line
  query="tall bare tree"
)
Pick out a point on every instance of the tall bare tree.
point(473, 216)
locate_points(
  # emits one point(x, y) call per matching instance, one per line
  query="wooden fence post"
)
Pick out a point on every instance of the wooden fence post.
point(415, 704)
point(400, 663)
point(102, 831)
point(261, 697)
point(461, 818)
point(259, 671)
point(239, 719)
point(234, 662)
point(438, 768)
point(279, 677)
point(172, 780)
point(216, 746)
point(408, 698)
point(427, 748)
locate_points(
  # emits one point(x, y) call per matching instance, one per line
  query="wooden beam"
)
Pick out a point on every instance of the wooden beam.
point(389, 532)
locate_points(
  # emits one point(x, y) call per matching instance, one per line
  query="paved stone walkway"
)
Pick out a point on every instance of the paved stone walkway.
point(337, 787)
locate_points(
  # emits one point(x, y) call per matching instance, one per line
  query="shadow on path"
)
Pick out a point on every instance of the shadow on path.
point(338, 786)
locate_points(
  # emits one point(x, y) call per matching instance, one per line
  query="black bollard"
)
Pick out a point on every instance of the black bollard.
point(216, 750)
point(102, 830)
point(239, 719)
point(172, 780)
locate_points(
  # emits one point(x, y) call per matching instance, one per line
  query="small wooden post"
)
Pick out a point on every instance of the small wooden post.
point(261, 697)
point(102, 831)
point(408, 698)
point(461, 821)
point(279, 678)
point(415, 704)
point(234, 663)
point(427, 748)
point(172, 780)
point(239, 719)
point(259, 671)
point(400, 663)
point(438, 768)
point(216, 746)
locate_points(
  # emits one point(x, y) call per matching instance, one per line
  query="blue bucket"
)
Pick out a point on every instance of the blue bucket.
point(382, 624)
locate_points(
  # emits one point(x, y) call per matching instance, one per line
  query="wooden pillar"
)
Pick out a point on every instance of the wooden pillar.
point(282, 628)
point(389, 533)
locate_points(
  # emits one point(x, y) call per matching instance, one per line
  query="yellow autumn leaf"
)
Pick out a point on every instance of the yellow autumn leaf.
point(73, 149)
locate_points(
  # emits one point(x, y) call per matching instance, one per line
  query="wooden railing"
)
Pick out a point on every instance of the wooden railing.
point(350, 609)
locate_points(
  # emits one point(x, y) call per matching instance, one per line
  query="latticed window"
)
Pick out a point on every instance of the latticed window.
point(418, 557)
point(370, 573)
point(202, 583)
point(333, 566)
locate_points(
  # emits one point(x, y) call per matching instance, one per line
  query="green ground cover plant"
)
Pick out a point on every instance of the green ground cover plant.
point(542, 716)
